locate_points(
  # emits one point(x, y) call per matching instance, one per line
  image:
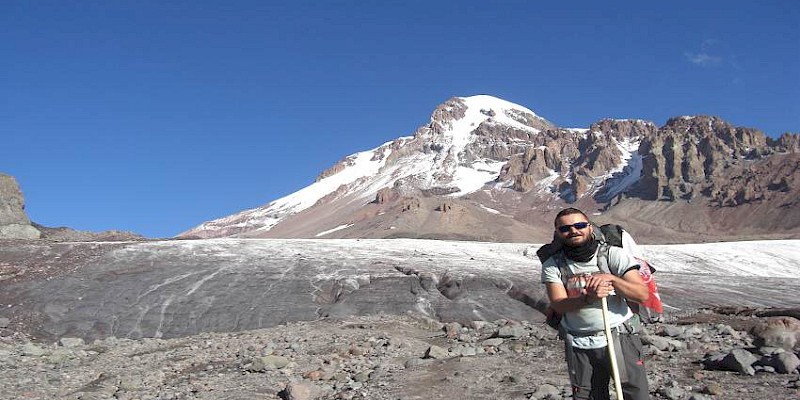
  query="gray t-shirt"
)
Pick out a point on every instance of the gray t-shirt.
point(585, 324)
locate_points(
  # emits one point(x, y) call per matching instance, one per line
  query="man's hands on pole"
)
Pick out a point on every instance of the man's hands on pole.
point(630, 285)
point(599, 286)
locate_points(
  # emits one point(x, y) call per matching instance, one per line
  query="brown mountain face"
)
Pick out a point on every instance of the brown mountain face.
point(694, 179)
point(705, 179)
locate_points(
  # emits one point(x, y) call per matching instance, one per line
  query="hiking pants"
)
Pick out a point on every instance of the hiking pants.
point(592, 371)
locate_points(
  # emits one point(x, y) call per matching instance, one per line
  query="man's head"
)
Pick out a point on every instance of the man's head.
point(573, 227)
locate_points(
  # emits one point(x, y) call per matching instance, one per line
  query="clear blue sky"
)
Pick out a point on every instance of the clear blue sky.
point(155, 116)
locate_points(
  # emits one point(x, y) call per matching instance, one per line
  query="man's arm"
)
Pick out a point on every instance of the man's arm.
point(559, 300)
point(632, 286)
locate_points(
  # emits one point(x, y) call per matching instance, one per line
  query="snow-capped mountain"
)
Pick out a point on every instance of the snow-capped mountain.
point(487, 169)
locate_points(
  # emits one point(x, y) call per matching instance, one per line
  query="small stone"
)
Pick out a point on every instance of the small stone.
point(415, 362)
point(518, 347)
point(693, 331)
point(362, 376)
point(59, 356)
point(436, 352)
point(510, 332)
point(479, 325)
point(301, 391)
point(30, 349)
point(713, 388)
point(265, 363)
point(357, 351)
point(786, 363)
point(492, 342)
point(726, 330)
point(452, 329)
point(468, 351)
point(765, 368)
point(315, 375)
point(509, 379)
point(267, 350)
point(658, 343)
point(70, 342)
point(673, 330)
point(672, 393)
point(546, 391)
point(770, 351)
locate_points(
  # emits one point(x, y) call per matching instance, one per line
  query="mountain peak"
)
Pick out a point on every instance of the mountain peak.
point(487, 102)
point(470, 112)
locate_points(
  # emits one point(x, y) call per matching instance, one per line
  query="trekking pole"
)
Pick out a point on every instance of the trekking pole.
point(611, 351)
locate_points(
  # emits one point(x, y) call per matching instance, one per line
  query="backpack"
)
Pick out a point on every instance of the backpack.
point(609, 235)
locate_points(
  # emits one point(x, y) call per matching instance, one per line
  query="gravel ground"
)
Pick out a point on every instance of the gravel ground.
point(370, 357)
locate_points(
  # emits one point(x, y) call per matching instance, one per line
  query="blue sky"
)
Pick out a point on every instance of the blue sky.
point(155, 116)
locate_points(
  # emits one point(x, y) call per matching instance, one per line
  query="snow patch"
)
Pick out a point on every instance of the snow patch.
point(626, 173)
point(580, 131)
point(491, 210)
point(473, 178)
point(338, 228)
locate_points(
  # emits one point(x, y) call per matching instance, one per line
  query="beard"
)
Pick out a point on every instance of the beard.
point(577, 239)
point(582, 252)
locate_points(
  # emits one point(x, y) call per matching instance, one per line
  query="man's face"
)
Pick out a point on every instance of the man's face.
point(573, 237)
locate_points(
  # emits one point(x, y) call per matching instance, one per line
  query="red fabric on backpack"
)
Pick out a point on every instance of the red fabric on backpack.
point(653, 302)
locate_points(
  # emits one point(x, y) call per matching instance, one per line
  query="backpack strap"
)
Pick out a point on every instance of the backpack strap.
point(561, 262)
point(602, 259)
point(602, 252)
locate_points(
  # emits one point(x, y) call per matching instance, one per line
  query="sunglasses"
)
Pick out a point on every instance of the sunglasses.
point(577, 225)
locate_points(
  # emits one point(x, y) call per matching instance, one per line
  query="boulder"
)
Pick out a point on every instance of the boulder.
point(783, 332)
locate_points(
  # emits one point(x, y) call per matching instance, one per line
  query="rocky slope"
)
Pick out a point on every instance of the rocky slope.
point(487, 169)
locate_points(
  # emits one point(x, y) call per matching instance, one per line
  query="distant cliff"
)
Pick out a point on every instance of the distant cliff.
point(14, 223)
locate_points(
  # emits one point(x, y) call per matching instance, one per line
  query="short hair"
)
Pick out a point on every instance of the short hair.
point(569, 211)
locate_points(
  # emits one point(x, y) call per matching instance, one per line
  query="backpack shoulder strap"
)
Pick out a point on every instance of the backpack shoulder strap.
point(602, 259)
point(561, 262)
point(608, 235)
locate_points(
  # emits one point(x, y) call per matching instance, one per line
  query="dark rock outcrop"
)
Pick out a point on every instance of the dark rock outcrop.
point(14, 223)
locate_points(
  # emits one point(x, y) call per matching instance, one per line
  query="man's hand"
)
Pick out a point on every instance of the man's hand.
point(599, 286)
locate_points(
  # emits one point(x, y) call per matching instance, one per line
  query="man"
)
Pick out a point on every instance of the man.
point(575, 284)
